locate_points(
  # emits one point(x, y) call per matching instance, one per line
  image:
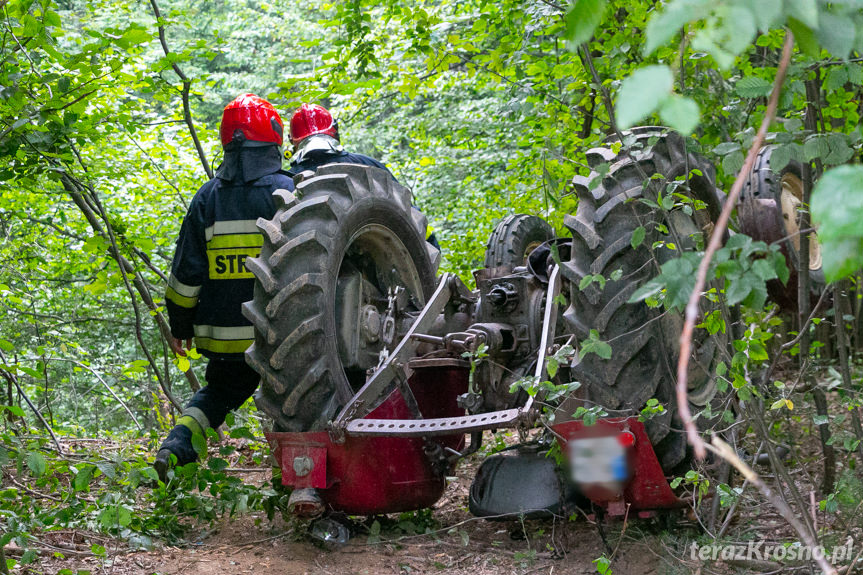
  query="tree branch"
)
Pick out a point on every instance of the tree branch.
point(73, 188)
point(11, 378)
point(715, 241)
point(187, 85)
point(726, 452)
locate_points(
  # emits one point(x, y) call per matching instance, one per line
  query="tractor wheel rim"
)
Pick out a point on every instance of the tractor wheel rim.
point(791, 196)
point(393, 267)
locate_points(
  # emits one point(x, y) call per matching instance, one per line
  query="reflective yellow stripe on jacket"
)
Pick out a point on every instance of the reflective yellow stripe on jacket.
point(181, 294)
point(229, 243)
point(221, 339)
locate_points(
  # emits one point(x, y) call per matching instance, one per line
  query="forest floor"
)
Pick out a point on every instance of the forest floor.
point(458, 544)
point(448, 540)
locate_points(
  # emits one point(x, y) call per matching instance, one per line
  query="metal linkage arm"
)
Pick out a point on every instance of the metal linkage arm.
point(447, 425)
point(372, 393)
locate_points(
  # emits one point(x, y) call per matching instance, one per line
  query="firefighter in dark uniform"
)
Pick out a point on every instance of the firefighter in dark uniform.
point(315, 137)
point(209, 281)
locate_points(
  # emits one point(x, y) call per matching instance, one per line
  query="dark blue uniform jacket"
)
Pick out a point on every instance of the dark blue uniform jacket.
point(209, 281)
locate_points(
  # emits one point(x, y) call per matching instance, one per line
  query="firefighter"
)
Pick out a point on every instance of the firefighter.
point(209, 281)
point(315, 138)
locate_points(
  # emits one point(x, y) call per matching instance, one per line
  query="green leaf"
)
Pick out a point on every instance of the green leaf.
point(815, 147)
point(666, 23)
point(107, 469)
point(29, 556)
point(726, 148)
point(82, 479)
point(6, 346)
point(551, 366)
point(582, 19)
point(637, 236)
point(738, 289)
point(840, 151)
point(732, 163)
point(603, 565)
point(37, 464)
point(133, 36)
point(757, 351)
point(836, 77)
point(14, 410)
point(836, 33)
point(768, 13)
point(805, 11)
point(781, 267)
point(753, 87)
point(52, 19)
point(780, 157)
point(643, 93)
point(805, 37)
point(764, 269)
point(650, 289)
point(780, 403)
point(837, 210)
point(242, 432)
point(680, 113)
point(98, 550)
point(199, 444)
point(594, 345)
point(217, 464)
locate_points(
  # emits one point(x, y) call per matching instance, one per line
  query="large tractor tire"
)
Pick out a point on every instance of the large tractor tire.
point(644, 340)
point(344, 265)
point(514, 238)
point(769, 210)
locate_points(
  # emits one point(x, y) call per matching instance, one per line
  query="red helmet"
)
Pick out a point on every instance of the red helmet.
point(255, 117)
point(311, 119)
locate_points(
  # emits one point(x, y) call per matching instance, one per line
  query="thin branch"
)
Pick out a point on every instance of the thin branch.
point(73, 188)
point(606, 97)
point(158, 169)
point(108, 387)
point(11, 378)
point(715, 241)
point(187, 85)
point(726, 452)
point(788, 345)
point(553, 5)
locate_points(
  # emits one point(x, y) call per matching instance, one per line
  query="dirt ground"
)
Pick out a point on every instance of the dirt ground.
point(459, 544)
point(241, 547)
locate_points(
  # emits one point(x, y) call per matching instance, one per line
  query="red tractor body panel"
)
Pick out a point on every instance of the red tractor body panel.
point(645, 488)
point(372, 475)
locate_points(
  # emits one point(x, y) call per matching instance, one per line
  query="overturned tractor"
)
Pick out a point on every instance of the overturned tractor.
point(379, 377)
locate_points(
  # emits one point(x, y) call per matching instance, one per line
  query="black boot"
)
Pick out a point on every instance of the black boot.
point(178, 443)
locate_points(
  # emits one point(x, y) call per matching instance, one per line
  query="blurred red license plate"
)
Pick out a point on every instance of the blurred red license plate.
point(598, 460)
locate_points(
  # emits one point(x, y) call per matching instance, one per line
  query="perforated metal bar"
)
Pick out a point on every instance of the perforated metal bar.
point(430, 427)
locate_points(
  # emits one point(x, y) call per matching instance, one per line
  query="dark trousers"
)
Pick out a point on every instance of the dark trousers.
point(229, 385)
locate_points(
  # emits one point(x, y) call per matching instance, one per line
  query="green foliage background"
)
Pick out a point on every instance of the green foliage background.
point(482, 108)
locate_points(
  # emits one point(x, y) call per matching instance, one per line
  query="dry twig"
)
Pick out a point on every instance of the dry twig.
point(715, 241)
point(726, 452)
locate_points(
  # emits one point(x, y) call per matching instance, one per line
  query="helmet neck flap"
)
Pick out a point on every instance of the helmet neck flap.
point(247, 160)
point(319, 144)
